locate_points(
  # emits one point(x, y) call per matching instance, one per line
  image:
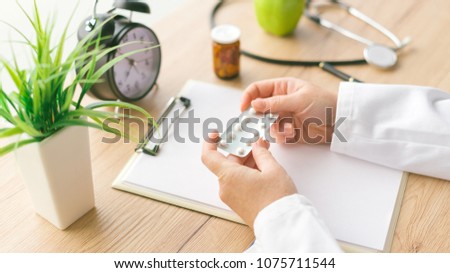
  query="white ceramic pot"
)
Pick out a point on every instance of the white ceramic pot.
point(58, 175)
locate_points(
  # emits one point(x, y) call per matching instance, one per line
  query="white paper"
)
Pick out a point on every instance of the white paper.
point(355, 198)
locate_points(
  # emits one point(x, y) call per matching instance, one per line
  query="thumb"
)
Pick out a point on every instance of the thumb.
point(263, 158)
point(276, 104)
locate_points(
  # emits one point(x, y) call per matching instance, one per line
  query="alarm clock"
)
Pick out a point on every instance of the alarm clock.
point(133, 77)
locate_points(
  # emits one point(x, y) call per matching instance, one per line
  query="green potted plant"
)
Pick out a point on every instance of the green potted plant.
point(48, 124)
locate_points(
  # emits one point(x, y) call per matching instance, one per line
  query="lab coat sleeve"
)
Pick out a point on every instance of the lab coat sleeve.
point(291, 224)
point(399, 126)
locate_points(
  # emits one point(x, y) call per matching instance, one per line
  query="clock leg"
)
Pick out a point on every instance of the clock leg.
point(117, 111)
point(155, 87)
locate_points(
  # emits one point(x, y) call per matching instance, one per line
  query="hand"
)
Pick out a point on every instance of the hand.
point(301, 106)
point(247, 185)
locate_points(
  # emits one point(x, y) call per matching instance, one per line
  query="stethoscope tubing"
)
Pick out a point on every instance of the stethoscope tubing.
point(281, 61)
point(372, 49)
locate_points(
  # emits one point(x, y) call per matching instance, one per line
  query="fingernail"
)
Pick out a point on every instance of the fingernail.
point(259, 104)
point(257, 143)
point(261, 143)
point(288, 129)
point(213, 135)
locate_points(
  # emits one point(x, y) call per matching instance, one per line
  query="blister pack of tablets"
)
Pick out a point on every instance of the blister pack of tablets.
point(245, 130)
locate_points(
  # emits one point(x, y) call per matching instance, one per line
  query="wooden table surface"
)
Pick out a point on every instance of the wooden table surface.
point(123, 222)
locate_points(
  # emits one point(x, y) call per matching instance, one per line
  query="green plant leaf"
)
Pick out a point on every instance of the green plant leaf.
point(27, 41)
point(5, 101)
point(6, 115)
point(97, 115)
point(45, 101)
point(8, 132)
point(90, 113)
point(27, 128)
point(12, 73)
point(13, 146)
point(28, 16)
point(85, 123)
point(119, 104)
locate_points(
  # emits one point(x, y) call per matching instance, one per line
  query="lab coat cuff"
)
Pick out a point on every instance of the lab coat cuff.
point(276, 210)
point(344, 117)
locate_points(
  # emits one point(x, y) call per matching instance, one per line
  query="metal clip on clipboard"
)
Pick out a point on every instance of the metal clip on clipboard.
point(152, 148)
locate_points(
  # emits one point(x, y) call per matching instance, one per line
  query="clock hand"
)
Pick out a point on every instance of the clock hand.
point(135, 67)
point(119, 53)
point(143, 60)
point(131, 60)
point(128, 73)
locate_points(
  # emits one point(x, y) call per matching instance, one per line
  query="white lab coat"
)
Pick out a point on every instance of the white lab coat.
point(399, 126)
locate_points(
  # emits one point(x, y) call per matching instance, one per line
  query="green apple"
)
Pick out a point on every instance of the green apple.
point(279, 17)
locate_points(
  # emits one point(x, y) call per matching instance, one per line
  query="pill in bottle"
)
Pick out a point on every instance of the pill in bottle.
point(226, 51)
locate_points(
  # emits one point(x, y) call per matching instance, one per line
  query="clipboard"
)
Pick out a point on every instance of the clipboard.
point(359, 201)
point(149, 145)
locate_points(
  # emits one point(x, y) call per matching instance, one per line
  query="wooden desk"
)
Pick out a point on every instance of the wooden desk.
point(122, 222)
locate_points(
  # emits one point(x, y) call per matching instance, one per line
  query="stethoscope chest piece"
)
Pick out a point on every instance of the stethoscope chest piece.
point(380, 56)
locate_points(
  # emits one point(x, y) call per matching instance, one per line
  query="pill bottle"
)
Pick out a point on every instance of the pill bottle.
point(226, 51)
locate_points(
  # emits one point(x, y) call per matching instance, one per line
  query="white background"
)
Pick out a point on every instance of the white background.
point(345, 263)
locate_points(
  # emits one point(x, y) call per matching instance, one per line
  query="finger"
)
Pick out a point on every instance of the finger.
point(263, 143)
point(263, 158)
point(284, 128)
point(245, 101)
point(213, 137)
point(247, 161)
point(237, 159)
point(278, 136)
point(263, 89)
point(281, 138)
point(269, 88)
point(257, 90)
point(250, 162)
point(276, 104)
point(213, 160)
point(280, 130)
point(288, 129)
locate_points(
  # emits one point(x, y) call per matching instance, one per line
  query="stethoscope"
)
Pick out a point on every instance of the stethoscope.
point(376, 54)
point(379, 55)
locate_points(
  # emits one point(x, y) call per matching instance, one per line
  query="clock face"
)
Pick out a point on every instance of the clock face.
point(135, 75)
